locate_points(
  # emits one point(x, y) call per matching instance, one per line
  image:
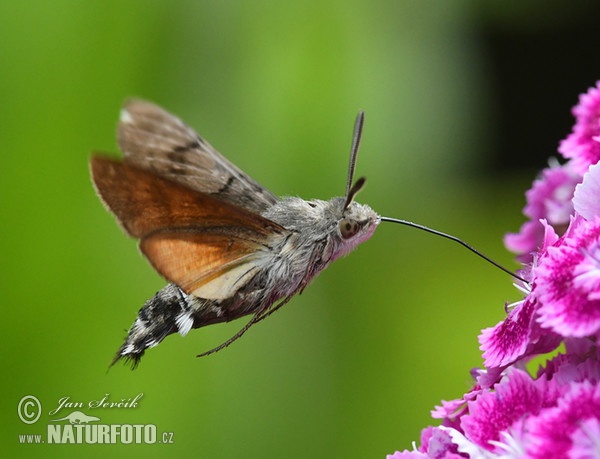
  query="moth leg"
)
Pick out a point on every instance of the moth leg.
point(233, 338)
point(265, 311)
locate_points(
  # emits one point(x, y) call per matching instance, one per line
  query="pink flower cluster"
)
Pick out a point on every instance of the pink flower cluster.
point(555, 413)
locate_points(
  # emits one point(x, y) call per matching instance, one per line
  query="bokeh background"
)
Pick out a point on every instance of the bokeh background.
point(464, 103)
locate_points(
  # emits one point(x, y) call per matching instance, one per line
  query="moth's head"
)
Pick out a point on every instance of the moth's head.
point(355, 224)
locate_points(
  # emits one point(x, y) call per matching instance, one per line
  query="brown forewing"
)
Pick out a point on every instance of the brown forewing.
point(155, 140)
point(188, 236)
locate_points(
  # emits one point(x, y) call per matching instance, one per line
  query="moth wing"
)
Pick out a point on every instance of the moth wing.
point(206, 246)
point(144, 202)
point(156, 140)
point(205, 265)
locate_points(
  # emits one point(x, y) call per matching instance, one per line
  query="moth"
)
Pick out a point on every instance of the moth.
point(227, 246)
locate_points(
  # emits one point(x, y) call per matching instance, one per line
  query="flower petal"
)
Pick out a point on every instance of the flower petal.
point(586, 200)
point(494, 412)
point(582, 145)
point(552, 433)
point(508, 340)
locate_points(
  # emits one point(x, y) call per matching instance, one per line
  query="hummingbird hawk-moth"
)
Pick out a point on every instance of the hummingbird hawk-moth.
point(228, 246)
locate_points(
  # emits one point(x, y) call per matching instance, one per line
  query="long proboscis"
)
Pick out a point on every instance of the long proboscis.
point(455, 239)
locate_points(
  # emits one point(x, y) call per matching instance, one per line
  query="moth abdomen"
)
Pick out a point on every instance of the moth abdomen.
point(169, 311)
point(155, 320)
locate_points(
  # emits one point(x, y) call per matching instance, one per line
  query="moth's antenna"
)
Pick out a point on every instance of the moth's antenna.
point(358, 125)
point(355, 189)
point(455, 239)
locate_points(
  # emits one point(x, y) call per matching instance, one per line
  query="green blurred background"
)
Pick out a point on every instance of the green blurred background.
point(460, 100)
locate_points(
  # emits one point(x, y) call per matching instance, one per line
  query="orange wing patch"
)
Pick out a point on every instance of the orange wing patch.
point(206, 265)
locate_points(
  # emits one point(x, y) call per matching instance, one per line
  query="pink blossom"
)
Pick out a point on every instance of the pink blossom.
point(549, 198)
point(568, 282)
point(554, 412)
point(582, 146)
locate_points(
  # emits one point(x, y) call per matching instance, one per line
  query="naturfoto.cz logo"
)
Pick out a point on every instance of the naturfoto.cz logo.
point(78, 427)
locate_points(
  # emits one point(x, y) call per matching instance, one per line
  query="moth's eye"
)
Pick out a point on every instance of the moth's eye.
point(348, 228)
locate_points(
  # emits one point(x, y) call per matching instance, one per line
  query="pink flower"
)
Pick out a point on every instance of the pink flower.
point(568, 282)
point(549, 198)
point(555, 412)
point(582, 146)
